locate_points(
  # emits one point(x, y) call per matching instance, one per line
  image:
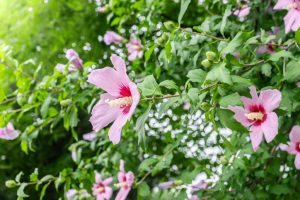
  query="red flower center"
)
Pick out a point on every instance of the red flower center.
point(101, 188)
point(297, 147)
point(125, 92)
point(257, 115)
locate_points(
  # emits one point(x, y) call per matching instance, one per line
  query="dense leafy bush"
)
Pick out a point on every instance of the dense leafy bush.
point(171, 117)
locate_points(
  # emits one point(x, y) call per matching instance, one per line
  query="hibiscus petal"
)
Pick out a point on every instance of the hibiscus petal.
point(116, 129)
point(297, 161)
point(98, 178)
point(108, 193)
point(122, 194)
point(289, 20)
point(256, 136)
point(121, 175)
point(129, 178)
point(103, 114)
point(9, 133)
point(239, 115)
point(270, 127)
point(295, 134)
point(284, 147)
point(253, 93)
point(135, 99)
point(133, 56)
point(107, 79)
point(282, 4)
point(247, 103)
point(296, 23)
point(108, 181)
point(119, 65)
point(270, 99)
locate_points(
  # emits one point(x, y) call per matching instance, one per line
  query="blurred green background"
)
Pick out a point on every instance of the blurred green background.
point(38, 31)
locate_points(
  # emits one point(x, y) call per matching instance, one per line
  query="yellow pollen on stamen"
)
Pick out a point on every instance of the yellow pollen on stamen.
point(255, 116)
point(100, 189)
point(124, 101)
point(291, 5)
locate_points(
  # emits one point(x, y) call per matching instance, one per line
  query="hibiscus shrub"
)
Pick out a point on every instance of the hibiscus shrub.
point(149, 99)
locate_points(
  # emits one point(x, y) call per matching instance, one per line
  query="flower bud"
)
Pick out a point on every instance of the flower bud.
point(162, 39)
point(178, 182)
point(223, 160)
point(205, 106)
point(211, 55)
point(170, 25)
point(66, 102)
point(11, 184)
point(206, 63)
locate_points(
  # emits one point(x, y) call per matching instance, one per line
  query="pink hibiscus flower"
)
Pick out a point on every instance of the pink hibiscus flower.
point(126, 181)
point(243, 11)
point(194, 197)
point(74, 59)
point(120, 101)
point(292, 19)
point(9, 133)
point(101, 189)
point(112, 37)
point(258, 115)
point(135, 49)
point(293, 146)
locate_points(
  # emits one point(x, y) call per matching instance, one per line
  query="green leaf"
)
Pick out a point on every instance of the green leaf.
point(193, 94)
point(149, 52)
point(266, 69)
point(292, 71)
point(219, 73)
point(146, 164)
point(18, 177)
point(169, 84)
point(224, 19)
point(46, 178)
point(73, 117)
point(280, 189)
point(281, 54)
point(149, 87)
point(297, 36)
point(24, 146)
point(143, 190)
point(197, 75)
point(168, 49)
point(43, 192)
point(60, 180)
point(183, 7)
point(166, 105)
point(236, 42)
point(232, 99)
point(227, 120)
point(34, 175)
point(45, 106)
point(164, 163)
point(2, 94)
point(140, 126)
point(20, 192)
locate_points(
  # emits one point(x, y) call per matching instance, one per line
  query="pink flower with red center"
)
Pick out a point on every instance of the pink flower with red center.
point(243, 11)
point(112, 37)
point(292, 19)
point(293, 146)
point(74, 59)
point(257, 115)
point(9, 133)
point(120, 101)
point(126, 181)
point(135, 49)
point(101, 189)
